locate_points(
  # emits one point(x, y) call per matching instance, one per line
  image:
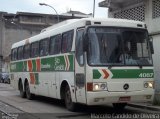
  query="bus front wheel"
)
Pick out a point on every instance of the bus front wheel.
point(68, 100)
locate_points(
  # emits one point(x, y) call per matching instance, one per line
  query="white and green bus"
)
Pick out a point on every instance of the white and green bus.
point(88, 61)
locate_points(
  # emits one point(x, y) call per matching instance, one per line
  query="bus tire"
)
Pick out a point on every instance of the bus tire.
point(119, 106)
point(22, 92)
point(68, 100)
point(29, 95)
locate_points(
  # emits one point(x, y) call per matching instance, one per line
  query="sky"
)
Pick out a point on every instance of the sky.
point(61, 6)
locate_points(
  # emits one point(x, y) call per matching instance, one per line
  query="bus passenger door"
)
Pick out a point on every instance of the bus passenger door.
point(80, 68)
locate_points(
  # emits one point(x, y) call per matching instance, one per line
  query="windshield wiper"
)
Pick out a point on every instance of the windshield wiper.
point(140, 66)
point(110, 66)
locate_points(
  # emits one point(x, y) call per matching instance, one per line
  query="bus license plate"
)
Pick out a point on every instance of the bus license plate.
point(125, 99)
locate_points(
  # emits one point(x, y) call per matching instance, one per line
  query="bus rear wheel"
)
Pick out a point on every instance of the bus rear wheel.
point(119, 106)
point(29, 95)
point(68, 100)
point(22, 92)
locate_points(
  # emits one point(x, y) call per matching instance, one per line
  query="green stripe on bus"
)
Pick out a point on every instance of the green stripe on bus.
point(71, 60)
point(59, 63)
point(25, 66)
point(34, 65)
point(96, 74)
point(124, 73)
point(132, 73)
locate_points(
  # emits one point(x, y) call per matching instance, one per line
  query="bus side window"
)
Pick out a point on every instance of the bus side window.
point(67, 39)
point(20, 53)
point(44, 47)
point(26, 51)
point(14, 56)
point(55, 44)
point(79, 46)
point(35, 49)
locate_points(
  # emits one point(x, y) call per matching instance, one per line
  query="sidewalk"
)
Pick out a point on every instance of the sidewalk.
point(148, 106)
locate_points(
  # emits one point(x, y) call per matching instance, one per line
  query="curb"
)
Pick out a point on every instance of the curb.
point(144, 107)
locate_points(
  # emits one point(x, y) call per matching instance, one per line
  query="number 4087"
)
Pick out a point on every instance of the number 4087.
point(146, 75)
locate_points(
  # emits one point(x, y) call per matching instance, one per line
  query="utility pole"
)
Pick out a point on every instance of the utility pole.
point(93, 8)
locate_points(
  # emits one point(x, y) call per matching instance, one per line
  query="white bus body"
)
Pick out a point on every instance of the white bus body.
point(80, 70)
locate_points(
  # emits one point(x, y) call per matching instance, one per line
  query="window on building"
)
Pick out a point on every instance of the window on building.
point(20, 53)
point(26, 51)
point(55, 44)
point(44, 47)
point(155, 9)
point(67, 39)
point(135, 13)
point(35, 49)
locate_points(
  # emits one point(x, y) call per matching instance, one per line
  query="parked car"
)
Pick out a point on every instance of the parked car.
point(5, 78)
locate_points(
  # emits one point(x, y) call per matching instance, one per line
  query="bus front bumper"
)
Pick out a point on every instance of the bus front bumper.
point(105, 97)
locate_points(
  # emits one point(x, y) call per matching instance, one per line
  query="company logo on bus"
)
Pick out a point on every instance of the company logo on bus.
point(126, 86)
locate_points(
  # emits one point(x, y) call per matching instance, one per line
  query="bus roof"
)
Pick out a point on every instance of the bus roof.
point(75, 23)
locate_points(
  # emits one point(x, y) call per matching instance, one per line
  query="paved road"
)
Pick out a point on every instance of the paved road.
point(47, 108)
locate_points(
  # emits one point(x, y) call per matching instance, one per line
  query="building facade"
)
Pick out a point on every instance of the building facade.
point(147, 11)
point(22, 25)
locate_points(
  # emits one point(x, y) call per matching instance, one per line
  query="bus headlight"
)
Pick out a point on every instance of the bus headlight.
point(149, 84)
point(96, 86)
point(99, 86)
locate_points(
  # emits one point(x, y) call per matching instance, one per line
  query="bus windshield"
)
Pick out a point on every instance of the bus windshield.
point(118, 46)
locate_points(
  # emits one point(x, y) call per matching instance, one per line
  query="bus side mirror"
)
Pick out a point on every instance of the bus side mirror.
point(151, 44)
point(151, 47)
